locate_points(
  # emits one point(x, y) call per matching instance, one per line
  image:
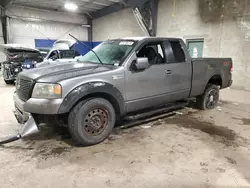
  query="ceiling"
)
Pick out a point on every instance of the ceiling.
point(84, 6)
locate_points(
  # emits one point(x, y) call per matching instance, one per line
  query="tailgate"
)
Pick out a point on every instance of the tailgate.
point(227, 72)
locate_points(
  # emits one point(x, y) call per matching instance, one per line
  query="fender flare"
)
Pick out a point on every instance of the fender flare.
point(92, 88)
point(215, 74)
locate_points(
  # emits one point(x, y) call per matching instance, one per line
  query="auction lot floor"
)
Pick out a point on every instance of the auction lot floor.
point(191, 149)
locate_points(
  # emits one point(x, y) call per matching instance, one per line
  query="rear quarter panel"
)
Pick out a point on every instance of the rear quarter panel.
point(205, 68)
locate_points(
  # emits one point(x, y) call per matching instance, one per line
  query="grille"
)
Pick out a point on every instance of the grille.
point(24, 88)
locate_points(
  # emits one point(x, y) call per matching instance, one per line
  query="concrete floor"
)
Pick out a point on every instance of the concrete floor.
point(191, 149)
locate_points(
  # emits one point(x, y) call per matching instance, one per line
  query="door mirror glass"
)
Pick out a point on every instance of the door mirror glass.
point(141, 63)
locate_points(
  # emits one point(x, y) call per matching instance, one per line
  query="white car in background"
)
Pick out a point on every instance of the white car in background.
point(61, 52)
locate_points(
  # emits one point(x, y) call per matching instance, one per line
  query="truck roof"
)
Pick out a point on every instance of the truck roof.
point(142, 38)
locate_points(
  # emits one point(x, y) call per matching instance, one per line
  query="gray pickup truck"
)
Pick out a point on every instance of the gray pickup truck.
point(121, 77)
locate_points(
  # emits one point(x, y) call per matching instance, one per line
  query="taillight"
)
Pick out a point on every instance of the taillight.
point(231, 68)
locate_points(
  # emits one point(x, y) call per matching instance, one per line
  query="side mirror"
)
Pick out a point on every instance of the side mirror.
point(140, 63)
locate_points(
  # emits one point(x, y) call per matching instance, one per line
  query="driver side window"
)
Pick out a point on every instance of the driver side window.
point(154, 53)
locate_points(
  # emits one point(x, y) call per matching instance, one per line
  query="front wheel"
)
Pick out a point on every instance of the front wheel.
point(91, 121)
point(209, 99)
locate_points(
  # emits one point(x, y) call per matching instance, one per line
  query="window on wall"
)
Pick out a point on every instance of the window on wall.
point(178, 52)
point(195, 47)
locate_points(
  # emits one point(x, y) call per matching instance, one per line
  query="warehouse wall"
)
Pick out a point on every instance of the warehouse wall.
point(116, 25)
point(26, 25)
point(224, 25)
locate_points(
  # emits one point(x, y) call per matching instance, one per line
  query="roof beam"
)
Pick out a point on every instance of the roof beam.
point(117, 7)
point(6, 3)
point(45, 9)
point(108, 10)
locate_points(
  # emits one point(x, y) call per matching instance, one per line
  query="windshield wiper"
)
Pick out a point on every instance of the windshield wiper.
point(87, 47)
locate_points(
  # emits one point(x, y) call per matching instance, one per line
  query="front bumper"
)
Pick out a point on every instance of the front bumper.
point(35, 106)
point(9, 74)
point(21, 116)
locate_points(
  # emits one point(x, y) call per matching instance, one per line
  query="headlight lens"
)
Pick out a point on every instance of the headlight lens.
point(47, 91)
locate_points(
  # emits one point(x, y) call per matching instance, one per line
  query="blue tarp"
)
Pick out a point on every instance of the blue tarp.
point(45, 43)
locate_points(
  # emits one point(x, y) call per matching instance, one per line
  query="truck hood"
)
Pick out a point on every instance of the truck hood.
point(66, 71)
point(23, 48)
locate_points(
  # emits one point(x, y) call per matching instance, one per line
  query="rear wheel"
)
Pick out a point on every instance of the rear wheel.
point(91, 121)
point(209, 99)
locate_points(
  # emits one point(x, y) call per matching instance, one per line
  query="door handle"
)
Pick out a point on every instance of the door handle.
point(168, 72)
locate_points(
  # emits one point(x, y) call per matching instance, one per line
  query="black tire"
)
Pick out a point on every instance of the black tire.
point(209, 99)
point(91, 121)
point(9, 82)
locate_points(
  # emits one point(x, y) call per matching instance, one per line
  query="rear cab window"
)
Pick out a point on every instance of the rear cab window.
point(177, 52)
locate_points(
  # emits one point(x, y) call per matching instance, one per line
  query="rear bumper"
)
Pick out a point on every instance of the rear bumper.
point(230, 83)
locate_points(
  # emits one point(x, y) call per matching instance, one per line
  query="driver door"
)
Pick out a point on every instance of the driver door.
point(149, 87)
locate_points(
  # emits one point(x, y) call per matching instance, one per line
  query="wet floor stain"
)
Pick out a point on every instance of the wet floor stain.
point(230, 160)
point(59, 150)
point(220, 170)
point(47, 152)
point(245, 121)
point(206, 127)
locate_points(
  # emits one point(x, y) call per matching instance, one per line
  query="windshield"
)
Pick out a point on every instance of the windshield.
point(110, 52)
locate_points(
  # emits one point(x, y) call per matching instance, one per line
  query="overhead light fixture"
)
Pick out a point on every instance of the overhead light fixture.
point(71, 6)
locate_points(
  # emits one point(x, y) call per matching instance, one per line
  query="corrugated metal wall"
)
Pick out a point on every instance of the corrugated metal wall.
point(26, 25)
point(2, 56)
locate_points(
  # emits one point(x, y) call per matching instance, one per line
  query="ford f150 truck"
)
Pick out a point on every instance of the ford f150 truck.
point(117, 78)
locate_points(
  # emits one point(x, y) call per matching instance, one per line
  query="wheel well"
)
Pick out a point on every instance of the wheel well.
point(216, 80)
point(106, 96)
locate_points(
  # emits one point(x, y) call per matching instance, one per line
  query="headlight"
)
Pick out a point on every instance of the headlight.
point(28, 66)
point(47, 91)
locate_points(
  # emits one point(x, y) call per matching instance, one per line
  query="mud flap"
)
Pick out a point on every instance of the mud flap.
point(29, 128)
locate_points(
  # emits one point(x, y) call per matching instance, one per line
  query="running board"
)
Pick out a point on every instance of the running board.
point(147, 120)
point(167, 108)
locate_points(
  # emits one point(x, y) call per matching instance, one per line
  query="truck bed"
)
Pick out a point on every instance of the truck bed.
point(206, 68)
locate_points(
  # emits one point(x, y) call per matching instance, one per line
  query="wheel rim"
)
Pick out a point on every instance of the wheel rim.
point(212, 98)
point(96, 122)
